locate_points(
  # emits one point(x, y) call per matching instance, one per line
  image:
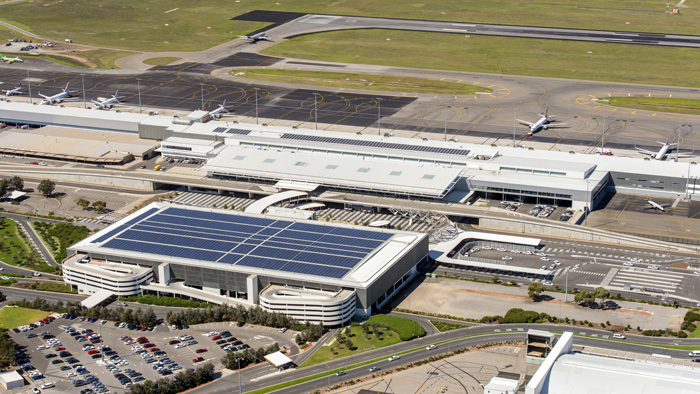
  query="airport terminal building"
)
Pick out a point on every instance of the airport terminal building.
point(314, 271)
point(315, 161)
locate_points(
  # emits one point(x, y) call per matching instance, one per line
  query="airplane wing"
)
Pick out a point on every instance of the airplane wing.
point(648, 152)
point(98, 103)
point(555, 124)
point(681, 154)
point(525, 122)
point(46, 97)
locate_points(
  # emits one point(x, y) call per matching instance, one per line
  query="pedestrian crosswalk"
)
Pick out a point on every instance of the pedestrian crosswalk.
point(86, 220)
point(646, 279)
point(357, 217)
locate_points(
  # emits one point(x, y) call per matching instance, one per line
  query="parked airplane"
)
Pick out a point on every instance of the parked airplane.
point(542, 123)
point(664, 152)
point(8, 59)
point(12, 92)
point(56, 98)
point(103, 103)
point(217, 113)
point(654, 205)
point(256, 37)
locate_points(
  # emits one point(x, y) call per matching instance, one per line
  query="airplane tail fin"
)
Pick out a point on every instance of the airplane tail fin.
point(224, 105)
point(67, 89)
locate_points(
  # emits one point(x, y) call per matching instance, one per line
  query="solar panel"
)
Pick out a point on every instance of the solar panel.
point(238, 131)
point(138, 218)
point(375, 144)
point(258, 242)
point(219, 129)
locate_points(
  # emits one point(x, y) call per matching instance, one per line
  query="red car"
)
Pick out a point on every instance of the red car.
point(142, 339)
point(215, 337)
point(58, 349)
point(93, 351)
point(200, 350)
point(198, 359)
point(146, 346)
point(143, 328)
point(155, 349)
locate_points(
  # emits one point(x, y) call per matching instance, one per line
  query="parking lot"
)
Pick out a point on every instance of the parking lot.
point(130, 356)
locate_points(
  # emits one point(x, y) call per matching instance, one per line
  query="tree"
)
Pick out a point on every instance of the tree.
point(494, 279)
point(602, 293)
point(585, 297)
point(535, 289)
point(4, 184)
point(16, 183)
point(46, 187)
point(83, 203)
point(99, 206)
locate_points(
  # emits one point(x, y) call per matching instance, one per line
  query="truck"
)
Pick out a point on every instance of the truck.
point(601, 151)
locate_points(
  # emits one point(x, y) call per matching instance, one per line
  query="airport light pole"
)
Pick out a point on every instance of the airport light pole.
point(201, 91)
point(447, 107)
point(316, 110)
point(138, 84)
point(82, 77)
point(240, 388)
point(379, 116)
point(29, 86)
point(256, 106)
point(515, 116)
point(602, 141)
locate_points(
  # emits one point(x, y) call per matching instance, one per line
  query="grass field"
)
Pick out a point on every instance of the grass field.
point(160, 61)
point(657, 104)
point(164, 25)
point(406, 328)
point(443, 326)
point(360, 343)
point(500, 55)
point(14, 317)
point(360, 81)
point(12, 247)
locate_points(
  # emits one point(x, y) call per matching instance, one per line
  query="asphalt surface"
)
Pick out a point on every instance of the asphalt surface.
point(251, 380)
point(318, 23)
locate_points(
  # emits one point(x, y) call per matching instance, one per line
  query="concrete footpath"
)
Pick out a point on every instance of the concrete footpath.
point(475, 300)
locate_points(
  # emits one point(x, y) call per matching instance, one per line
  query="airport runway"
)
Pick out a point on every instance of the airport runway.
point(311, 23)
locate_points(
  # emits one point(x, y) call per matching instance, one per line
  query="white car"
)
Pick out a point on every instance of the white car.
point(506, 258)
point(5, 277)
point(431, 347)
point(696, 273)
point(548, 284)
point(527, 252)
point(618, 336)
point(41, 347)
point(213, 333)
point(628, 264)
point(47, 385)
point(36, 390)
point(392, 358)
point(37, 274)
point(71, 375)
point(557, 262)
point(653, 267)
point(180, 345)
point(2, 269)
point(544, 258)
point(544, 267)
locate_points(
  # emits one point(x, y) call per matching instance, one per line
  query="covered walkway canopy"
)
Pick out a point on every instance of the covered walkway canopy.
point(96, 298)
point(261, 205)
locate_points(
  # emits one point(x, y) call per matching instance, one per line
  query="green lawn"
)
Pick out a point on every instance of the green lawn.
point(500, 55)
point(360, 81)
point(696, 333)
point(657, 104)
point(11, 317)
point(165, 25)
point(443, 326)
point(360, 344)
point(160, 61)
point(406, 328)
point(56, 287)
point(12, 247)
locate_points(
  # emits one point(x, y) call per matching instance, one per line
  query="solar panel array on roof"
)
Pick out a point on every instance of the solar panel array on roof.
point(239, 131)
point(376, 144)
point(282, 245)
point(109, 233)
point(219, 129)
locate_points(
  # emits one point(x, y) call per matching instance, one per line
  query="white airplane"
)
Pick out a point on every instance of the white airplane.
point(103, 103)
point(56, 98)
point(217, 113)
point(542, 123)
point(654, 205)
point(256, 37)
point(664, 152)
point(12, 92)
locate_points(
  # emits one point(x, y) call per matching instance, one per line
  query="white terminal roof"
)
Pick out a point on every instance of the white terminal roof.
point(338, 170)
point(586, 374)
point(278, 359)
point(314, 251)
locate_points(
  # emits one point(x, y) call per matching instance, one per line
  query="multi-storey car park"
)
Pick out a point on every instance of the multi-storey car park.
point(311, 270)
